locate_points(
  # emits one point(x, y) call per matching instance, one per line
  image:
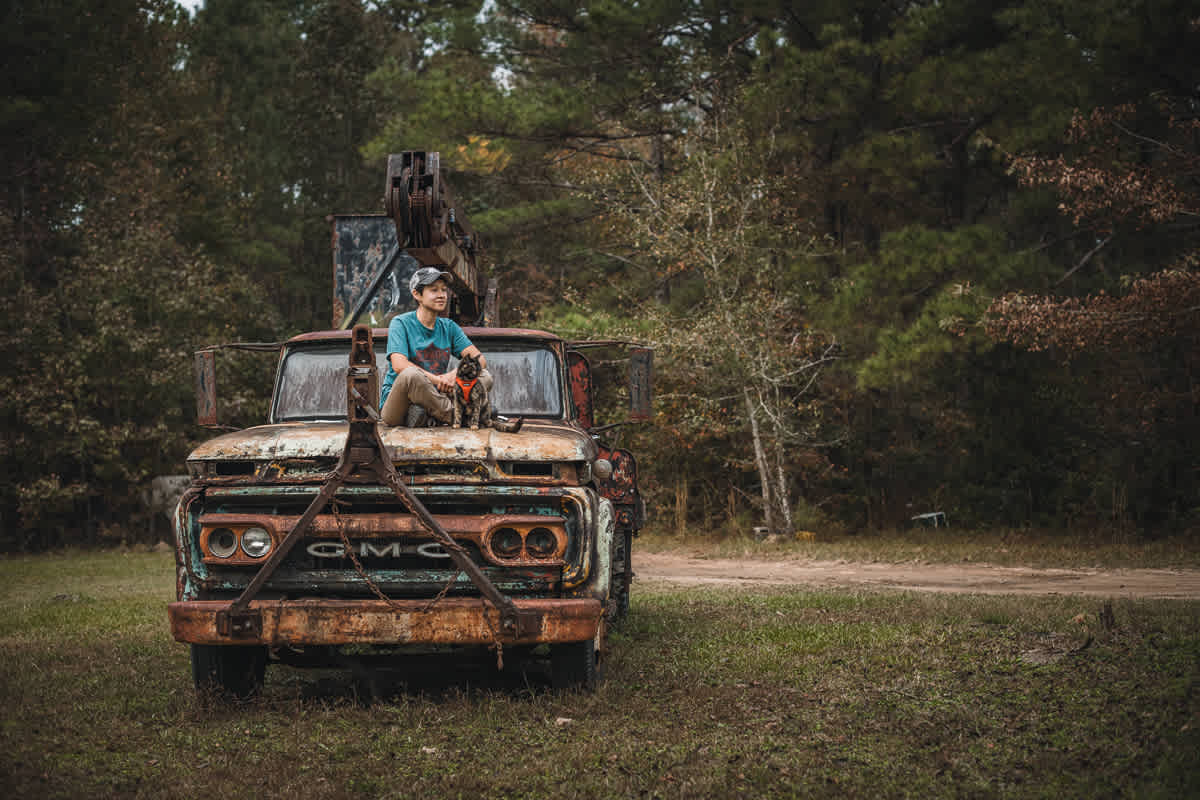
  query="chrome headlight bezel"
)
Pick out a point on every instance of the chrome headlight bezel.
point(256, 542)
point(222, 542)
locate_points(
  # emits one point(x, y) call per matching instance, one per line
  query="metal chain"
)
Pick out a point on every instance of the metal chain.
point(358, 567)
point(496, 644)
point(442, 593)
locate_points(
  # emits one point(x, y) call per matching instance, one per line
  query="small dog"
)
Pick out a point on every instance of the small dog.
point(471, 404)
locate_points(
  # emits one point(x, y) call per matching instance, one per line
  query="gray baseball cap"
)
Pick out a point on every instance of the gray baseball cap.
point(425, 276)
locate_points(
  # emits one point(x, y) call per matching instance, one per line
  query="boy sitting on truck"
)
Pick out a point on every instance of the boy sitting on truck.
point(419, 381)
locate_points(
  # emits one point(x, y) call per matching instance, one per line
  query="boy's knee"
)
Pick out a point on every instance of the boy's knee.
point(419, 389)
point(410, 377)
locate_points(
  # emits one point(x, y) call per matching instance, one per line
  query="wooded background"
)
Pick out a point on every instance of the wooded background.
point(895, 257)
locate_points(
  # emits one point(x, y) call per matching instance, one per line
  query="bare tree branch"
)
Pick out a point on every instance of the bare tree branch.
point(1086, 258)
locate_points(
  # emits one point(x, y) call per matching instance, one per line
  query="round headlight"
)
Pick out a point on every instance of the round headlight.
point(541, 543)
point(506, 543)
point(222, 542)
point(602, 468)
point(256, 542)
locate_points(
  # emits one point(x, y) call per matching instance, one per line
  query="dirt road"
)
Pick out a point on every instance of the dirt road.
point(682, 568)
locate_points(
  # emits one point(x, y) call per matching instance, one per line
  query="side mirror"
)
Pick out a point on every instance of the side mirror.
point(579, 376)
point(641, 362)
point(206, 388)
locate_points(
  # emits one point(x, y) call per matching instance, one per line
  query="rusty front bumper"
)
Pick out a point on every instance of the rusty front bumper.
point(338, 622)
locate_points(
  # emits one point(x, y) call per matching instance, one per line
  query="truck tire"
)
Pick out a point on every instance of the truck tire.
point(575, 665)
point(618, 601)
point(618, 587)
point(228, 673)
point(623, 600)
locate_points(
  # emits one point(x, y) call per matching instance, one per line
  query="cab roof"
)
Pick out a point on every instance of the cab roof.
point(472, 333)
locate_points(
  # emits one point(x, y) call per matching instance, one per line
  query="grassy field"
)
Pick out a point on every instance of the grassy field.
point(714, 693)
point(1004, 547)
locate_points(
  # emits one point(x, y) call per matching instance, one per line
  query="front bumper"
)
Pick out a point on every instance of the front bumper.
point(339, 622)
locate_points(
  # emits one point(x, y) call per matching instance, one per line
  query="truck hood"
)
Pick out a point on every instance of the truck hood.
point(536, 441)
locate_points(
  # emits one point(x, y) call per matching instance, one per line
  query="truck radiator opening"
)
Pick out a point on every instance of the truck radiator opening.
point(528, 469)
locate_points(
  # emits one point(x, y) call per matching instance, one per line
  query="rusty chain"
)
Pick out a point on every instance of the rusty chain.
point(497, 646)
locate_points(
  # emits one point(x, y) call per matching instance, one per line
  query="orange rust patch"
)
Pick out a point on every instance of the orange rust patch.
point(337, 622)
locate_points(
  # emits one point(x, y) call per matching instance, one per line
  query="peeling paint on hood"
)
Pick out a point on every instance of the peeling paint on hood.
point(536, 441)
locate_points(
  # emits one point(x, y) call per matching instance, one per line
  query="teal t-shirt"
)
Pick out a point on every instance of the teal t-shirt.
point(428, 349)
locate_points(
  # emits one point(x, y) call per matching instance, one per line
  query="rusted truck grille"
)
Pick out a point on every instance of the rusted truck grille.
point(528, 542)
point(381, 553)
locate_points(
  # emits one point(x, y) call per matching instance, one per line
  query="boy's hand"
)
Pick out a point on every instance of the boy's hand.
point(444, 383)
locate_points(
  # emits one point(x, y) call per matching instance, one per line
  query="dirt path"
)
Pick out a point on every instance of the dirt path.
point(683, 568)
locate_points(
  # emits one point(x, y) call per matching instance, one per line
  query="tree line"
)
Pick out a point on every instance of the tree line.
point(893, 257)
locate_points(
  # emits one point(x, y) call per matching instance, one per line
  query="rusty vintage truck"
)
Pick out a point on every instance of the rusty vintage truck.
point(325, 536)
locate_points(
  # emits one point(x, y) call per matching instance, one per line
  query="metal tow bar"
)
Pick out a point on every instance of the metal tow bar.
point(365, 455)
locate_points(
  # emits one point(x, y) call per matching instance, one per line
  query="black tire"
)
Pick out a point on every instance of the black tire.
point(575, 665)
point(623, 600)
point(229, 673)
point(618, 601)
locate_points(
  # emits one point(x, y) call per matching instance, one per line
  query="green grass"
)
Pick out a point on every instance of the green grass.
point(1004, 547)
point(719, 693)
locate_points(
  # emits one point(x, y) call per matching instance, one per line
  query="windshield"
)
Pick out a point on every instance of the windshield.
point(312, 381)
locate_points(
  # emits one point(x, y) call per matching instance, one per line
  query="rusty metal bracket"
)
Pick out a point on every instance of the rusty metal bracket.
point(363, 454)
point(243, 625)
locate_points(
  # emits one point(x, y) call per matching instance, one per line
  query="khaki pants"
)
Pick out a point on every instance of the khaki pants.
point(413, 386)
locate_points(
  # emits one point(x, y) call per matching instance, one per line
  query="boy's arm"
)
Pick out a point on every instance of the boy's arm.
point(444, 383)
point(399, 362)
point(472, 350)
point(397, 346)
point(461, 345)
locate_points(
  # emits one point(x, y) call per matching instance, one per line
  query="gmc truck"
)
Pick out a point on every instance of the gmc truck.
point(325, 536)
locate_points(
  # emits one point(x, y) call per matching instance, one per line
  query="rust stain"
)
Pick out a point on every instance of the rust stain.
point(579, 383)
point(621, 487)
point(311, 440)
point(338, 622)
point(184, 541)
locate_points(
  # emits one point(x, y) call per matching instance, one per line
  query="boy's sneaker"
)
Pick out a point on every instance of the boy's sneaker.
point(418, 417)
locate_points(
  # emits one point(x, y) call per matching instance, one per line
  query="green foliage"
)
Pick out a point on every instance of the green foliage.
point(96, 391)
point(660, 171)
point(921, 298)
point(286, 83)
